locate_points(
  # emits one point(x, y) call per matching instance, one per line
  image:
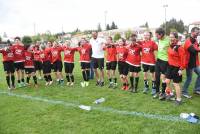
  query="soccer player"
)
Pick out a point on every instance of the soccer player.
point(84, 50)
point(111, 62)
point(176, 59)
point(122, 53)
point(148, 61)
point(57, 61)
point(45, 56)
point(29, 65)
point(18, 50)
point(8, 64)
point(134, 61)
point(37, 60)
point(69, 62)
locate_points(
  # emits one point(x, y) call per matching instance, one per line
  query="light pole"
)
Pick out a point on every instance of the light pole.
point(34, 28)
point(165, 7)
point(105, 17)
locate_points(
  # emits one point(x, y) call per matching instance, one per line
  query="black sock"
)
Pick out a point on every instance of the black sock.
point(72, 78)
point(124, 84)
point(46, 78)
point(18, 81)
point(35, 79)
point(164, 85)
point(146, 84)
point(13, 80)
point(115, 80)
point(136, 82)
point(153, 84)
point(49, 78)
point(67, 77)
point(87, 74)
point(22, 79)
point(8, 80)
point(110, 80)
point(27, 79)
point(131, 81)
point(84, 75)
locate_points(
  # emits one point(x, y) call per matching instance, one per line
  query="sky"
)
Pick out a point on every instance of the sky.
point(18, 17)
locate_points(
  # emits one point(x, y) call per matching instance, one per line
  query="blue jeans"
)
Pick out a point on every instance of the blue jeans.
point(189, 72)
point(92, 69)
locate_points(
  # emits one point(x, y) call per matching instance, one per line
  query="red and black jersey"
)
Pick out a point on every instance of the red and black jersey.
point(148, 56)
point(56, 54)
point(122, 53)
point(176, 56)
point(36, 53)
point(7, 55)
point(85, 52)
point(45, 55)
point(69, 54)
point(18, 51)
point(111, 53)
point(29, 63)
point(134, 57)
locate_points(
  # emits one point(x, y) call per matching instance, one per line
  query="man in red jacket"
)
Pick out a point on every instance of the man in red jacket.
point(192, 49)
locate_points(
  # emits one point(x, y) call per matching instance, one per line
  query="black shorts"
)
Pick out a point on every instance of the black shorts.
point(172, 74)
point(147, 68)
point(29, 70)
point(19, 66)
point(123, 68)
point(161, 66)
point(9, 66)
point(98, 63)
point(38, 65)
point(69, 67)
point(46, 67)
point(57, 66)
point(134, 69)
point(85, 65)
point(111, 65)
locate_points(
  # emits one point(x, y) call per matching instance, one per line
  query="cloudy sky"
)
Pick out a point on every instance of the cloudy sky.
point(17, 17)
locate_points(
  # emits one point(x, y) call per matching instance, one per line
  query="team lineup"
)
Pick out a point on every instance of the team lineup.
point(161, 62)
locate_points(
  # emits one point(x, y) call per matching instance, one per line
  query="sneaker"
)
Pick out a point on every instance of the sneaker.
point(153, 91)
point(61, 82)
point(145, 91)
point(13, 87)
point(19, 85)
point(114, 85)
point(47, 83)
point(123, 88)
point(187, 96)
point(27, 84)
point(101, 84)
point(170, 98)
point(36, 85)
point(98, 83)
point(23, 84)
point(68, 83)
point(155, 95)
point(9, 88)
point(197, 92)
point(82, 84)
point(50, 83)
point(72, 84)
point(110, 85)
point(178, 102)
point(162, 96)
point(86, 83)
point(39, 78)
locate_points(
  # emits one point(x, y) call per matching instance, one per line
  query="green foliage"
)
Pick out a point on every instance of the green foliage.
point(108, 27)
point(113, 26)
point(117, 36)
point(0, 39)
point(146, 25)
point(26, 40)
point(36, 38)
point(128, 34)
point(99, 29)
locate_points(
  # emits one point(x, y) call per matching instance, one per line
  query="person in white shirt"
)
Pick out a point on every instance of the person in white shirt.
point(98, 57)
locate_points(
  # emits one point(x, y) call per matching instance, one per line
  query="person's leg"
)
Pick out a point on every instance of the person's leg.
point(102, 76)
point(136, 75)
point(34, 79)
point(157, 76)
point(101, 68)
point(22, 75)
point(178, 93)
point(18, 77)
point(163, 83)
point(197, 83)
point(92, 69)
point(13, 80)
point(168, 89)
point(132, 81)
point(28, 78)
point(187, 82)
point(8, 79)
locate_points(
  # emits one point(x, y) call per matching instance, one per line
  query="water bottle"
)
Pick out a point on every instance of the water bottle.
point(98, 101)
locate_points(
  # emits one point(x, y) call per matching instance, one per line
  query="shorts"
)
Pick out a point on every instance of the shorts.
point(111, 65)
point(123, 68)
point(85, 65)
point(46, 67)
point(38, 65)
point(9, 66)
point(134, 69)
point(172, 74)
point(147, 68)
point(29, 70)
point(161, 66)
point(57, 66)
point(98, 63)
point(69, 67)
point(19, 66)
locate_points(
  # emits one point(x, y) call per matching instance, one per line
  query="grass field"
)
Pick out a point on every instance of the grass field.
point(28, 116)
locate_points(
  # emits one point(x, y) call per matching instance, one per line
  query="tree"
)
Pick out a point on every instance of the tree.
point(26, 40)
point(146, 25)
point(113, 26)
point(108, 27)
point(36, 38)
point(99, 29)
point(117, 36)
point(128, 34)
point(0, 39)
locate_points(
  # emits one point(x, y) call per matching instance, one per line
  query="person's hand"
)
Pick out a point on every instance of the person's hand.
point(179, 72)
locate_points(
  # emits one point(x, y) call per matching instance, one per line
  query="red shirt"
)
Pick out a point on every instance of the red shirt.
point(148, 56)
point(134, 57)
point(36, 53)
point(122, 53)
point(7, 55)
point(56, 54)
point(84, 52)
point(28, 60)
point(69, 54)
point(18, 51)
point(176, 57)
point(111, 53)
point(45, 55)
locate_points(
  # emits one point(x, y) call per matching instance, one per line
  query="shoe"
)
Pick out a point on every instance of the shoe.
point(27, 84)
point(61, 82)
point(13, 87)
point(155, 95)
point(145, 91)
point(101, 84)
point(126, 88)
point(19, 85)
point(187, 96)
point(47, 83)
point(23, 84)
point(110, 85)
point(123, 88)
point(68, 83)
point(50, 83)
point(170, 98)
point(72, 84)
point(178, 102)
point(153, 91)
point(39, 78)
point(86, 83)
point(197, 92)
point(114, 85)
point(9, 88)
point(162, 96)
point(82, 84)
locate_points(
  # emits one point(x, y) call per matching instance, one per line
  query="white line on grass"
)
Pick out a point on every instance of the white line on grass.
point(102, 109)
